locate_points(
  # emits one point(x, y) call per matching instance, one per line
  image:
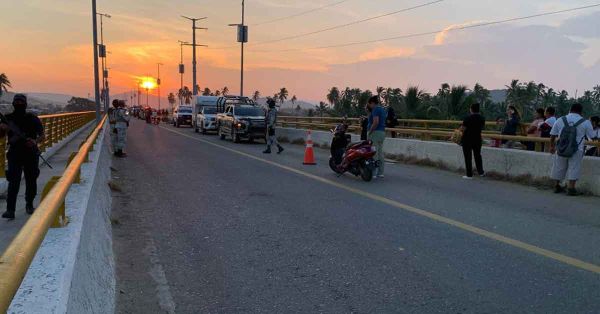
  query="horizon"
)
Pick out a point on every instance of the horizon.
point(561, 50)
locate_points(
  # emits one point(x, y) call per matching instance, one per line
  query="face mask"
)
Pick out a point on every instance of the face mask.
point(20, 109)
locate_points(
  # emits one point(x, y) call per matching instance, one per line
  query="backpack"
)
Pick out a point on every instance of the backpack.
point(567, 143)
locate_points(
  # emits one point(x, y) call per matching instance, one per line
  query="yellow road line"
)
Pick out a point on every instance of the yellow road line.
point(484, 233)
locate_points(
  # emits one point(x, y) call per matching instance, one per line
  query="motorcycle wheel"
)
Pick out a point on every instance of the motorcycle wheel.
point(366, 173)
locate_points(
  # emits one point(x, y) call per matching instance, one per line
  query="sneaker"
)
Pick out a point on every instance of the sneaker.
point(29, 209)
point(467, 178)
point(572, 192)
point(267, 151)
point(8, 215)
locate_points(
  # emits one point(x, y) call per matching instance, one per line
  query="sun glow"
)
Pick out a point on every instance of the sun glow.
point(148, 83)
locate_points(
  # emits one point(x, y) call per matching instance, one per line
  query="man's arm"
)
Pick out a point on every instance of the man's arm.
point(553, 144)
point(375, 124)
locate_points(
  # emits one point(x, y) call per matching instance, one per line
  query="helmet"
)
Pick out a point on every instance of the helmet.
point(271, 102)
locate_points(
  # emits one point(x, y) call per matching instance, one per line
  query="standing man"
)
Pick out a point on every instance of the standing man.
point(25, 132)
point(112, 121)
point(571, 131)
point(376, 127)
point(121, 118)
point(271, 121)
point(471, 141)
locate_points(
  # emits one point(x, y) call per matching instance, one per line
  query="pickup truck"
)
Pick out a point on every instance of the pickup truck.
point(182, 115)
point(242, 121)
point(206, 119)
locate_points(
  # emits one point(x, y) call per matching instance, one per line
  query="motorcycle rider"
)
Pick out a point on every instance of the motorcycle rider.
point(271, 120)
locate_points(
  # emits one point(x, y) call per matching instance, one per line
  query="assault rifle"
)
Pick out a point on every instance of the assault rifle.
point(17, 135)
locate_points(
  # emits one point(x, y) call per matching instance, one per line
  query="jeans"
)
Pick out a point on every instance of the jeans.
point(471, 150)
point(378, 137)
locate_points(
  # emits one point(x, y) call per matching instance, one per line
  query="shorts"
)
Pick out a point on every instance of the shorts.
point(567, 168)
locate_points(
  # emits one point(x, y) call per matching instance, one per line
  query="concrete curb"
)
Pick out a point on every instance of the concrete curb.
point(73, 271)
point(47, 154)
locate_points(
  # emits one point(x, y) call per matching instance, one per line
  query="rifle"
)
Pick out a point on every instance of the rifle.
point(20, 136)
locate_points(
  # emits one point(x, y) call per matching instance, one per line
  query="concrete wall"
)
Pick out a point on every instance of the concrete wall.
point(73, 271)
point(507, 162)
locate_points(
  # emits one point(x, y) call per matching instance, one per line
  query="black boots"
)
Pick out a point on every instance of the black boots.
point(29, 209)
point(120, 154)
point(279, 149)
point(8, 215)
point(268, 150)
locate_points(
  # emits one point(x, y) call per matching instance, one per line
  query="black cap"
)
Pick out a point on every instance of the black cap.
point(21, 97)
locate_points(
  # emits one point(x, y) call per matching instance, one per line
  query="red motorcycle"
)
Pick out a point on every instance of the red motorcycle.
point(356, 158)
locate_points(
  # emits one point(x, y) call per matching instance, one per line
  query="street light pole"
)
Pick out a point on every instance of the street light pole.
point(181, 69)
point(96, 70)
point(194, 28)
point(105, 95)
point(242, 38)
point(158, 84)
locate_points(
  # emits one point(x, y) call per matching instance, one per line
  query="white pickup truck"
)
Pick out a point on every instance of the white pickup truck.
point(205, 114)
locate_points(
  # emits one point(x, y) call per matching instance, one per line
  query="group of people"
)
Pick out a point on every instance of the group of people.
point(118, 119)
point(567, 141)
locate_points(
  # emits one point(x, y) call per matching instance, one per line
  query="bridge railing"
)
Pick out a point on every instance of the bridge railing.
point(428, 130)
point(18, 256)
point(56, 127)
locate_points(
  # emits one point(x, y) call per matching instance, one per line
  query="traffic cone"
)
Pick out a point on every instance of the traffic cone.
point(309, 154)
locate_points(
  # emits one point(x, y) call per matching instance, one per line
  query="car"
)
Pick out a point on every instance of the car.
point(205, 114)
point(182, 115)
point(242, 121)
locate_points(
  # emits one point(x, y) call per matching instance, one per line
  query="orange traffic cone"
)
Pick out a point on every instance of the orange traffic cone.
point(309, 154)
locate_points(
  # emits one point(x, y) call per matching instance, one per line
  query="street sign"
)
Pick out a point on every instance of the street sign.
point(242, 34)
point(102, 51)
point(106, 73)
point(181, 68)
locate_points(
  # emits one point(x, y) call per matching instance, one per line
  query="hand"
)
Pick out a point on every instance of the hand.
point(552, 150)
point(30, 143)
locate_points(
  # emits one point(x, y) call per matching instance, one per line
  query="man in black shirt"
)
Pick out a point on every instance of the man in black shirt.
point(25, 132)
point(471, 141)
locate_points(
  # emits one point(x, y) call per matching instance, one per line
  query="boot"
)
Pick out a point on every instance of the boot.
point(29, 209)
point(279, 149)
point(8, 215)
point(268, 150)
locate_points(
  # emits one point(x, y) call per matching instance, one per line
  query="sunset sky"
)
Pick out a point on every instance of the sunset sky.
point(46, 45)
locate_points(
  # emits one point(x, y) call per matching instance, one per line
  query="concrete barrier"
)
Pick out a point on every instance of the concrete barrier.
point(73, 271)
point(506, 162)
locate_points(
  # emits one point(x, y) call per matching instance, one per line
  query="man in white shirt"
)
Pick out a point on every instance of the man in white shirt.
point(569, 168)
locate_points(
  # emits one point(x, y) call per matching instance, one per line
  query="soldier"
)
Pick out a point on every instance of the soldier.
point(271, 120)
point(121, 118)
point(112, 121)
point(25, 132)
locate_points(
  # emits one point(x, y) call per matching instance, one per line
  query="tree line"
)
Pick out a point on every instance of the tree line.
point(453, 102)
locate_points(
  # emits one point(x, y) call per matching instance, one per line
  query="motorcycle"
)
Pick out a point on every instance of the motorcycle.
point(356, 158)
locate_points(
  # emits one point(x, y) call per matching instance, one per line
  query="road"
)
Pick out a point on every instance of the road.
point(208, 226)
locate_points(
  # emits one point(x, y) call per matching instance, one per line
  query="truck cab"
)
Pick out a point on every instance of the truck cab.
point(182, 115)
point(205, 114)
point(242, 121)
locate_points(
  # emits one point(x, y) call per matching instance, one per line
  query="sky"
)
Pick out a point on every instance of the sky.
point(46, 45)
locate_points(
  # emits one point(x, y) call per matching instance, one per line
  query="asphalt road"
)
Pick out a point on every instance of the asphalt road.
point(208, 226)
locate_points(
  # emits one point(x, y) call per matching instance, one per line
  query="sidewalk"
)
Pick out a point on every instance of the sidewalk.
point(8, 229)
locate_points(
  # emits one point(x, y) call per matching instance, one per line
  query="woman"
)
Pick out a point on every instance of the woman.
point(593, 150)
point(511, 124)
point(535, 128)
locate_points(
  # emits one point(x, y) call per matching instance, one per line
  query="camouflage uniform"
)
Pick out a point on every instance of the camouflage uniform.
point(271, 120)
point(119, 131)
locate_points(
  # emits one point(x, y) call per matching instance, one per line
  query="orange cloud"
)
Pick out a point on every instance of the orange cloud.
point(384, 52)
point(441, 37)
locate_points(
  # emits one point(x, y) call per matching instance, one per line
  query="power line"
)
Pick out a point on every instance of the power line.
point(300, 14)
point(350, 23)
point(339, 26)
point(437, 31)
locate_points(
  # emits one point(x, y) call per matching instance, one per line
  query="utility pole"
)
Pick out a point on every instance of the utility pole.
point(158, 84)
point(194, 28)
point(96, 70)
point(181, 69)
point(105, 95)
point(242, 37)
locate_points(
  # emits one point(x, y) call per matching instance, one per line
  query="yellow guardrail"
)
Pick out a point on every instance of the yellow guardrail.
point(17, 258)
point(420, 133)
point(56, 128)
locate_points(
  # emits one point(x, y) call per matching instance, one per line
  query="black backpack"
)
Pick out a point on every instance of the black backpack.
point(567, 143)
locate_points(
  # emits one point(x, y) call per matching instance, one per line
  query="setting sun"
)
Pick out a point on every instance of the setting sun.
point(148, 83)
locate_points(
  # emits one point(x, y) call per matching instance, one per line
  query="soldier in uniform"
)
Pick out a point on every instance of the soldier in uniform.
point(271, 120)
point(121, 119)
point(25, 132)
point(112, 121)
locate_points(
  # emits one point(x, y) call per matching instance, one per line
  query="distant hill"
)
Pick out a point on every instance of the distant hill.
point(39, 99)
point(498, 95)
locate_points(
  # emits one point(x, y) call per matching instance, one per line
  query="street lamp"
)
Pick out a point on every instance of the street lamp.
point(96, 70)
point(242, 37)
point(102, 49)
point(181, 69)
point(158, 84)
point(194, 28)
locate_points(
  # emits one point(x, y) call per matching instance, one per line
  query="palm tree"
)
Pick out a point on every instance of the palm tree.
point(413, 99)
point(283, 95)
point(333, 97)
point(380, 91)
point(321, 108)
point(217, 93)
point(4, 84)
point(187, 95)
point(457, 101)
point(172, 100)
point(206, 92)
point(294, 99)
point(256, 95)
point(225, 91)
